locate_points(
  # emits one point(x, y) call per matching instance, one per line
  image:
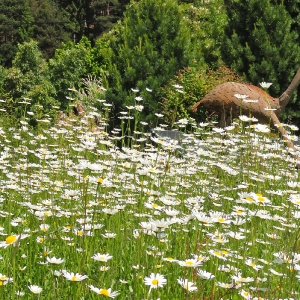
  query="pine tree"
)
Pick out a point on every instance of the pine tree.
point(293, 109)
point(261, 42)
point(16, 26)
point(91, 18)
point(103, 14)
point(52, 25)
point(151, 44)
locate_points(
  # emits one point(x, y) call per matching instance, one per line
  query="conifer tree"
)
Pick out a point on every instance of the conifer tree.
point(52, 25)
point(16, 26)
point(151, 44)
point(293, 7)
point(261, 42)
point(103, 14)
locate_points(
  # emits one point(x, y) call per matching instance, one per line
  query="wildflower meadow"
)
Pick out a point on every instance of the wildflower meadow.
point(93, 212)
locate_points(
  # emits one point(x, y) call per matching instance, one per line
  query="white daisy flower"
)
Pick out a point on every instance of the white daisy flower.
point(187, 285)
point(101, 257)
point(155, 280)
point(35, 289)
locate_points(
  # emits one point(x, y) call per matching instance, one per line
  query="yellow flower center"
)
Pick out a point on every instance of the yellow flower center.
point(190, 263)
point(154, 282)
point(10, 239)
point(74, 278)
point(104, 292)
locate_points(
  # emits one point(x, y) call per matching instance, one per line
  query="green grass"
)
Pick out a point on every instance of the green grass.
point(228, 205)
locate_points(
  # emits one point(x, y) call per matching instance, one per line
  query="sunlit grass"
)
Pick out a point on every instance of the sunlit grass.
point(214, 217)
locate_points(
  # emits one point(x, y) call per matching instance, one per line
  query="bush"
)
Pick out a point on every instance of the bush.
point(196, 83)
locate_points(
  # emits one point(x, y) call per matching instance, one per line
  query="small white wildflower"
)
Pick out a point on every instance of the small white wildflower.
point(35, 289)
point(265, 85)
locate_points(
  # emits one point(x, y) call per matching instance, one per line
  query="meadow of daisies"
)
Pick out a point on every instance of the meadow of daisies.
point(89, 212)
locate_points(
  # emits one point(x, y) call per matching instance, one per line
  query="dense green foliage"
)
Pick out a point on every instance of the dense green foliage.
point(52, 26)
point(52, 22)
point(68, 67)
point(188, 87)
point(154, 41)
point(28, 81)
point(262, 41)
point(16, 23)
point(293, 7)
point(102, 15)
point(147, 49)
